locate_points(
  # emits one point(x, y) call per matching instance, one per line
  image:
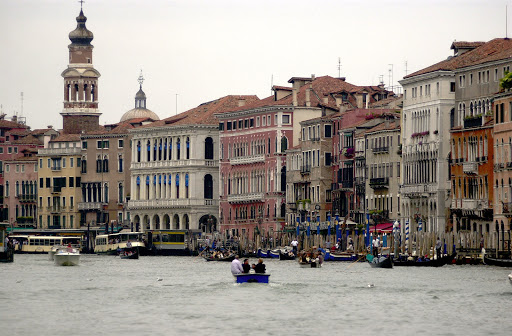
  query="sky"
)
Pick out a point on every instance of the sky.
point(195, 51)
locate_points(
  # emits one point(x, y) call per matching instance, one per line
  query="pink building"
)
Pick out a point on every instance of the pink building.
point(254, 138)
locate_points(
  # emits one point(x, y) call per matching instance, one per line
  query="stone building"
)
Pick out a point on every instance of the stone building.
point(175, 170)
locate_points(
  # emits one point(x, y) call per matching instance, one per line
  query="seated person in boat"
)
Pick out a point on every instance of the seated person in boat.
point(260, 267)
point(246, 266)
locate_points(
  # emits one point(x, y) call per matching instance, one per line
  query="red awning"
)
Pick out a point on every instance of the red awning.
point(382, 227)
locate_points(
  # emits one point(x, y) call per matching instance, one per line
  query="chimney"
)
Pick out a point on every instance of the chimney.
point(14, 118)
point(308, 98)
point(313, 77)
point(294, 94)
point(241, 102)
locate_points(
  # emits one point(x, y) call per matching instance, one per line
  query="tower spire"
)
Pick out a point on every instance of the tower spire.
point(81, 3)
point(140, 79)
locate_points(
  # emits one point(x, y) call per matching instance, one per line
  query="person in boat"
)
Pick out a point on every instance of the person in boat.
point(320, 258)
point(236, 266)
point(294, 245)
point(376, 244)
point(246, 266)
point(438, 248)
point(129, 244)
point(338, 244)
point(260, 267)
point(350, 244)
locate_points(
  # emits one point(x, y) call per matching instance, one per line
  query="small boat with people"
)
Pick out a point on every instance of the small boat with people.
point(252, 277)
point(67, 256)
point(379, 262)
point(287, 255)
point(129, 253)
point(220, 256)
point(424, 261)
point(310, 259)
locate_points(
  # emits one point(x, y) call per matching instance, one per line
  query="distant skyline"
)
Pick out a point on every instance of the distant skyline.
point(201, 50)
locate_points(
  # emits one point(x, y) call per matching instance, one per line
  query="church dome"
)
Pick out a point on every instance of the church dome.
point(140, 110)
point(81, 35)
point(139, 113)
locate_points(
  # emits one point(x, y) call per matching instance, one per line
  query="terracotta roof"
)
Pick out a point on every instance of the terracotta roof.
point(28, 140)
point(497, 49)
point(204, 113)
point(322, 87)
point(19, 132)
point(67, 138)
point(391, 125)
point(11, 124)
point(465, 44)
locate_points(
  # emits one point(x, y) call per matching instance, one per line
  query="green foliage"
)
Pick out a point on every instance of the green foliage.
point(506, 81)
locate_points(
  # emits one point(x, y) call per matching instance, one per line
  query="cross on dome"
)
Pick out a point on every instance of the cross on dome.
point(140, 79)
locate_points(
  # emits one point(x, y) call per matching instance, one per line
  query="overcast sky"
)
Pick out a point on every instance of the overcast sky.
point(201, 50)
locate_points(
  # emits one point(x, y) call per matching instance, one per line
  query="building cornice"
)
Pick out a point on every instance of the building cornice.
point(427, 76)
point(265, 109)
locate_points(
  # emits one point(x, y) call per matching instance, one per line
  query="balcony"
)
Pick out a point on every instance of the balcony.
point(347, 184)
point(306, 169)
point(247, 159)
point(246, 198)
point(175, 163)
point(470, 167)
point(379, 183)
point(380, 150)
point(55, 209)
point(56, 190)
point(472, 122)
point(56, 168)
point(24, 198)
point(171, 203)
point(315, 139)
point(59, 151)
point(91, 205)
point(470, 204)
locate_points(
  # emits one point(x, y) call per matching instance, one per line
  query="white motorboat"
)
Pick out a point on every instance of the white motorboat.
point(67, 256)
point(53, 250)
point(510, 278)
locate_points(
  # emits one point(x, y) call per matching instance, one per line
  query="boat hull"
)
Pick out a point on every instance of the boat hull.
point(497, 262)
point(66, 259)
point(228, 258)
point(251, 277)
point(381, 263)
point(340, 257)
point(286, 256)
point(431, 263)
point(309, 265)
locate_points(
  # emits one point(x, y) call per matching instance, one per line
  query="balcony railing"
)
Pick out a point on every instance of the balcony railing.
point(347, 184)
point(51, 151)
point(56, 168)
point(249, 197)
point(27, 197)
point(472, 122)
point(306, 169)
point(171, 203)
point(379, 182)
point(175, 163)
point(470, 204)
point(470, 167)
point(378, 150)
point(247, 159)
point(56, 190)
point(90, 205)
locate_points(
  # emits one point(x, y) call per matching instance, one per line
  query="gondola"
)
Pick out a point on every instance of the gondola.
point(128, 255)
point(230, 257)
point(497, 261)
point(430, 263)
point(287, 256)
point(331, 256)
point(274, 254)
point(263, 254)
point(309, 264)
point(382, 262)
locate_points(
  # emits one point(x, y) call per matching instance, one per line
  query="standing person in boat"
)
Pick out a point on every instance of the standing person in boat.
point(246, 266)
point(236, 266)
point(438, 248)
point(375, 244)
point(260, 267)
point(350, 244)
point(294, 245)
point(129, 244)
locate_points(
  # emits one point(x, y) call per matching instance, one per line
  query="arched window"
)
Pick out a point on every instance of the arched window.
point(138, 151)
point(186, 185)
point(208, 186)
point(208, 148)
point(187, 149)
point(148, 152)
point(177, 185)
point(105, 191)
point(105, 164)
point(170, 149)
point(120, 163)
point(284, 144)
point(98, 164)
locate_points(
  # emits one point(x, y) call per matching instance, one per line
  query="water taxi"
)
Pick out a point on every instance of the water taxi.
point(42, 244)
point(110, 243)
point(67, 256)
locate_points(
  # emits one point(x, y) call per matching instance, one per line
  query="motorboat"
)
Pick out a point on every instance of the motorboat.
point(67, 256)
point(510, 278)
point(252, 277)
point(54, 250)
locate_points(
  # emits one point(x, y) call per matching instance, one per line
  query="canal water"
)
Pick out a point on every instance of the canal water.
point(106, 295)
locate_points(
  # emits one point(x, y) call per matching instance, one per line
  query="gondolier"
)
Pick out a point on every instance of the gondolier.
point(294, 245)
point(438, 248)
point(376, 244)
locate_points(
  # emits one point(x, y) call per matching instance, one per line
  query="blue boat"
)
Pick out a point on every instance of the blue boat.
point(340, 256)
point(264, 254)
point(274, 254)
point(252, 277)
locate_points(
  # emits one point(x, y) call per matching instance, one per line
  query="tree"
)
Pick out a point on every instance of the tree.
point(506, 81)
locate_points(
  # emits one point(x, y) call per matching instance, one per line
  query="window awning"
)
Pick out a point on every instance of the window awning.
point(382, 228)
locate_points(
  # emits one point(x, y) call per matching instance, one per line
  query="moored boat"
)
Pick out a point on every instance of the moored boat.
point(263, 254)
point(274, 253)
point(497, 261)
point(426, 263)
point(312, 264)
point(67, 256)
point(287, 256)
point(381, 262)
point(342, 256)
point(252, 277)
point(230, 257)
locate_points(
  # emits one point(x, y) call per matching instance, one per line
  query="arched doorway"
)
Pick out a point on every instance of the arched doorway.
point(146, 222)
point(176, 222)
point(167, 222)
point(208, 148)
point(208, 224)
point(156, 222)
point(208, 186)
point(186, 222)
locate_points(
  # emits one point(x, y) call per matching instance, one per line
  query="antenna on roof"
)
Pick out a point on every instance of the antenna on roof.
point(391, 77)
point(21, 98)
point(406, 68)
point(339, 67)
point(506, 21)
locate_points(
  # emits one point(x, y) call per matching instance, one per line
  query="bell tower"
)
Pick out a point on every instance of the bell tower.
point(80, 111)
